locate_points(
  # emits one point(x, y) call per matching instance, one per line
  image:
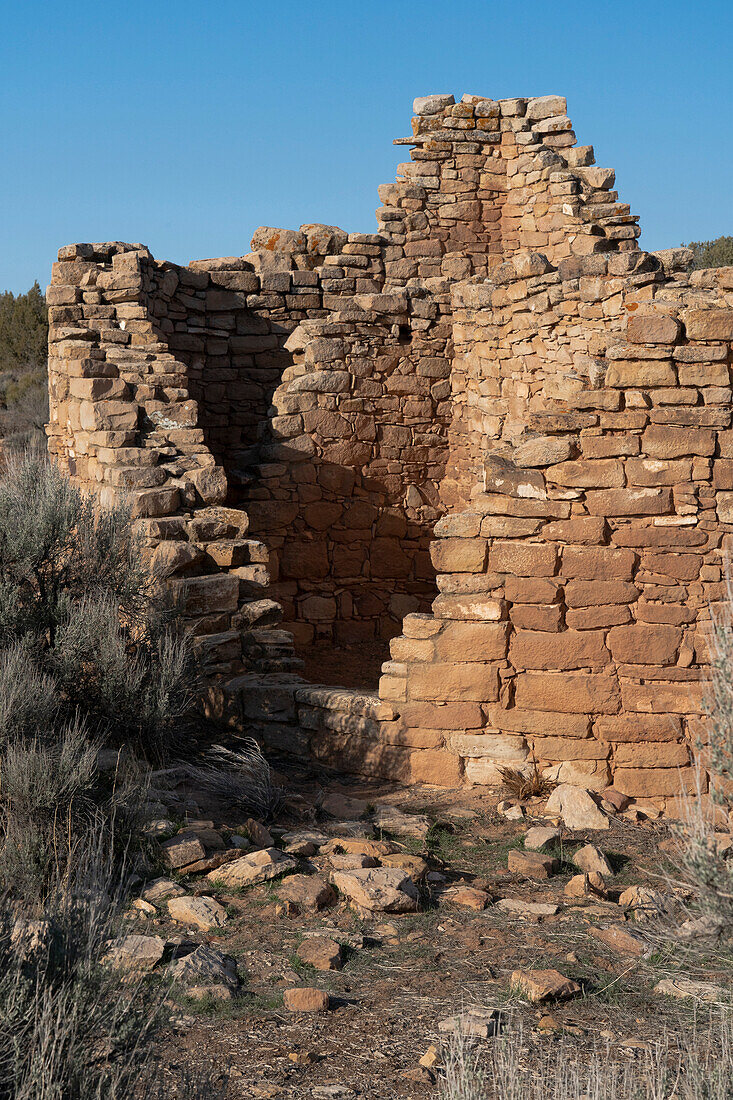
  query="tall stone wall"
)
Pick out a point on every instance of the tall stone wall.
point(498, 379)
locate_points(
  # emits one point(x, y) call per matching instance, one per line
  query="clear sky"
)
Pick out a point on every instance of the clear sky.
point(186, 125)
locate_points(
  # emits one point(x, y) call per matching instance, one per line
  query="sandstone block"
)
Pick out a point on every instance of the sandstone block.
point(198, 912)
point(378, 889)
point(577, 808)
point(454, 682)
point(532, 864)
point(601, 563)
point(709, 324)
point(437, 768)
point(566, 650)
point(543, 450)
point(472, 642)
point(665, 441)
point(547, 617)
point(307, 999)
point(654, 782)
point(664, 697)
point(644, 374)
point(629, 502)
point(321, 953)
point(652, 328)
point(580, 529)
point(458, 555)
point(500, 749)
point(644, 644)
point(588, 593)
point(544, 985)
point(651, 754)
point(523, 559)
point(574, 693)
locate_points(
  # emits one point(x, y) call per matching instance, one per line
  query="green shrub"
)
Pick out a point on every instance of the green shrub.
point(76, 595)
point(70, 1029)
point(716, 253)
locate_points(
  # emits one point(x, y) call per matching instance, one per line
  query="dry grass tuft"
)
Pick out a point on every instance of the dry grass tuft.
point(521, 786)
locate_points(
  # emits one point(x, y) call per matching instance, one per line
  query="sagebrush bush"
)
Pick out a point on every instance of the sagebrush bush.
point(76, 594)
point(69, 1029)
point(89, 657)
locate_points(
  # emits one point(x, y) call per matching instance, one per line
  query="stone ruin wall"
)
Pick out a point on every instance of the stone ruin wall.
point(499, 378)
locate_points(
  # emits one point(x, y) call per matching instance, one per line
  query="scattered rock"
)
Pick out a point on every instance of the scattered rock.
point(586, 885)
point(531, 864)
point(544, 985)
point(642, 902)
point(160, 889)
point(512, 812)
point(589, 858)
point(398, 823)
point(414, 866)
point(431, 1057)
point(201, 912)
point(699, 991)
point(481, 1023)
point(619, 939)
point(576, 808)
point(254, 868)
point(210, 991)
point(241, 843)
point(537, 837)
point(305, 836)
point(343, 807)
point(332, 1092)
point(257, 833)
point(205, 966)
point(135, 952)
point(161, 826)
point(522, 908)
point(700, 928)
point(351, 863)
point(465, 897)
point(380, 889)
point(142, 908)
point(306, 999)
point(181, 850)
point(307, 891)
point(357, 846)
point(321, 953)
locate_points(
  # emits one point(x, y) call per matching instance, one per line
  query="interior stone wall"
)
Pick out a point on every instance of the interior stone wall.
point(495, 431)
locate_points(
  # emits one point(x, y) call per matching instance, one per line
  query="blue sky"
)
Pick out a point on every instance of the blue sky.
point(186, 125)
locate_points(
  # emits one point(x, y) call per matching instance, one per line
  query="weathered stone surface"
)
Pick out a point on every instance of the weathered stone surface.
point(200, 912)
point(135, 953)
point(307, 891)
point(306, 999)
point(205, 966)
point(588, 858)
point(577, 808)
point(544, 985)
point(539, 836)
point(382, 889)
point(254, 868)
point(532, 864)
point(321, 953)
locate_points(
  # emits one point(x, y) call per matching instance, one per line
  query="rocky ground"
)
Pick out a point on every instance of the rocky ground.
point(332, 954)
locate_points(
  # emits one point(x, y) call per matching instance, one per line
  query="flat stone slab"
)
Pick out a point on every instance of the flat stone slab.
point(254, 868)
point(544, 985)
point(201, 912)
point(380, 889)
point(205, 966)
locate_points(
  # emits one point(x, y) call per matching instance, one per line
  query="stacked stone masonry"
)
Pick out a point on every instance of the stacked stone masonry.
point(495, 432)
